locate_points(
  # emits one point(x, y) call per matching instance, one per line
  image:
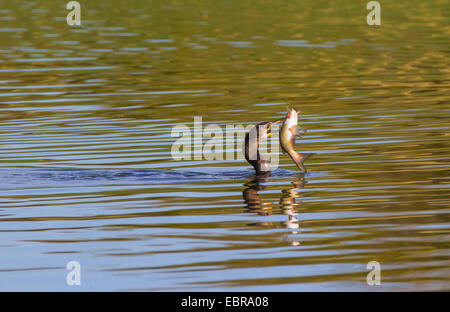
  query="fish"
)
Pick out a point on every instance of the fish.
point(288, 133)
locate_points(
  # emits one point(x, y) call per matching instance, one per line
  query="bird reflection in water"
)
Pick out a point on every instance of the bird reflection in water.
point(288, 202)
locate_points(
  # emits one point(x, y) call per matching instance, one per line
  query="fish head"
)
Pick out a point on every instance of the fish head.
point(291, 117)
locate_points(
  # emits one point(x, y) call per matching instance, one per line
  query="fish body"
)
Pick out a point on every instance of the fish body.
point(288, 133)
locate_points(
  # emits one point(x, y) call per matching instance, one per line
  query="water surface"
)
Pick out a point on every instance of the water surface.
point(86, 173)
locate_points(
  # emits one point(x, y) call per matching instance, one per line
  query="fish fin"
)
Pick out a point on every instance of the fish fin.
point(293, 130)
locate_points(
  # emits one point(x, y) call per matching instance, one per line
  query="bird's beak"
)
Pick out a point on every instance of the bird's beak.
point(269, 129)
point(277, 121)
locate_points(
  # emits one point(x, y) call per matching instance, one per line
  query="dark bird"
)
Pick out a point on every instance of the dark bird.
point(258, 133)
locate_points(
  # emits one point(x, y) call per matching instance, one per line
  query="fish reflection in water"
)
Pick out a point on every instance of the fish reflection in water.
point(288, 202)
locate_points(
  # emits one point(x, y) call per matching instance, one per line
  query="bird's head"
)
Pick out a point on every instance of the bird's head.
point(265, 128)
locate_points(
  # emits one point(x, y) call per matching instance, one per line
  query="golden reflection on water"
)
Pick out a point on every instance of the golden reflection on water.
point(85, 166)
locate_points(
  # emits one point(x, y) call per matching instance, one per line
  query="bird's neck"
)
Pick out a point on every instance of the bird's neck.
point(253, 156)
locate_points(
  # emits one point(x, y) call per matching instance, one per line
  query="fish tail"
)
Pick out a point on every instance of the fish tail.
point(305, 156)
point(299, 159)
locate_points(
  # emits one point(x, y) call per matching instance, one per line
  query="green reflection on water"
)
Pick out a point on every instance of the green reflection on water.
point(105, 96)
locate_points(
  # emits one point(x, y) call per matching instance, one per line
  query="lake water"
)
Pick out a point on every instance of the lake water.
point(86, 172)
